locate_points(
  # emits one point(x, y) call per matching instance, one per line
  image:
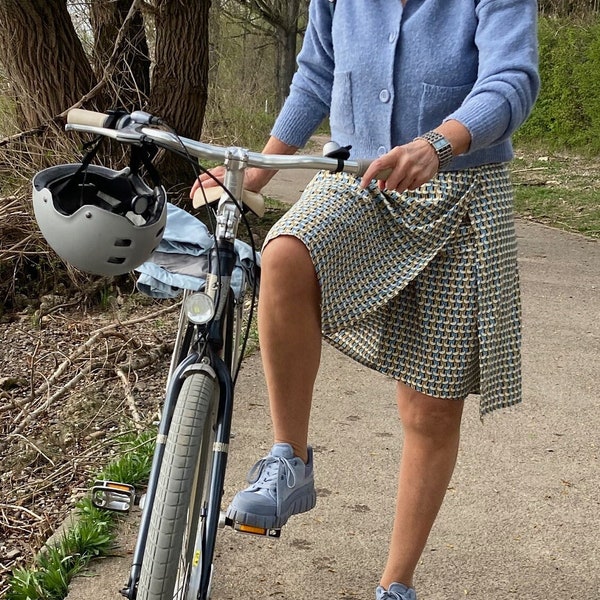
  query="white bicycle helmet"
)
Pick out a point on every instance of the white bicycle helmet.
point(101, 221)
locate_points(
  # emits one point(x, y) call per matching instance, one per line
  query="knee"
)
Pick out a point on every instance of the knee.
point(423, 415)
point(286, 256)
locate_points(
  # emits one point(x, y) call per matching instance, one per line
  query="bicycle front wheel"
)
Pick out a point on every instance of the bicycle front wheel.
point(172, 562)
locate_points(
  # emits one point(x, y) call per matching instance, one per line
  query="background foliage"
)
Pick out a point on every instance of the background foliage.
point(567, 113)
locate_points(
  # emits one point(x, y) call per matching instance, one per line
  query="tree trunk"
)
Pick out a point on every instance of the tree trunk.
point(43, 58)
point(282, 18)
point(286, 34)
point(131, 80)
point(286, 62)
point(180, 74)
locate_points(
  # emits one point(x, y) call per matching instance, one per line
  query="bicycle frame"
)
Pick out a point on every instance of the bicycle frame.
point(197, 348)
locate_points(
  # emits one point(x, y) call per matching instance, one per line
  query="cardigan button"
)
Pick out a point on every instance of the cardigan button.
point(381, 150)
point(384, 95)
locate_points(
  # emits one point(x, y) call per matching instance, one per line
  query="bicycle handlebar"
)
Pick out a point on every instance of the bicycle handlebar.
point(78, 116)
point(139, 126)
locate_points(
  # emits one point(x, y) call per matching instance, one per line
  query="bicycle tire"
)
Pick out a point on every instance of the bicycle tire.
point(174, 543)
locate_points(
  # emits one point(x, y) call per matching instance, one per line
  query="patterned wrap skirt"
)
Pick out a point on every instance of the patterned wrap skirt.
point(423, 285)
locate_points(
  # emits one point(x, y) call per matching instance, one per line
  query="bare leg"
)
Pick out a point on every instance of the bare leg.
point(431, 439)
point(289, 326)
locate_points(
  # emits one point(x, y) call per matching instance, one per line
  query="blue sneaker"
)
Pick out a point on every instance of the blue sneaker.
point(396, 591)
point(281, 486)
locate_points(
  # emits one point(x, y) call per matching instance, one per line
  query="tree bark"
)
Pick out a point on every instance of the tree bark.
point(131, 80)
point(43, 58)
point(286, 35)
point(180, 74)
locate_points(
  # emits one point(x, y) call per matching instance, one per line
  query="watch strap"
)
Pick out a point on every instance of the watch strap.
point(441, 145)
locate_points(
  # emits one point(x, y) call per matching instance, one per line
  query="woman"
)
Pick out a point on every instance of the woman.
point(415, 275)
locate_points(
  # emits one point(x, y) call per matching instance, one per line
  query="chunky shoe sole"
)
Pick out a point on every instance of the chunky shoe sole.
point(297, 502)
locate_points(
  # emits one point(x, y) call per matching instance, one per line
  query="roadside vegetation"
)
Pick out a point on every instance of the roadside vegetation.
point(74, 391)
point(91, 532)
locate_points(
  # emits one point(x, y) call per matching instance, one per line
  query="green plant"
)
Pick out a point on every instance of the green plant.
point(92, 534)
point(56, 564)
point(133, 466)
point(566, 113)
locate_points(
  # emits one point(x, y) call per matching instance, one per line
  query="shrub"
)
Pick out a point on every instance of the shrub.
point(567, 111)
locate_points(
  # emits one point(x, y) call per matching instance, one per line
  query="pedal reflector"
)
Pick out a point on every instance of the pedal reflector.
point(225, 521)
point(243, 528)
point(251, 529)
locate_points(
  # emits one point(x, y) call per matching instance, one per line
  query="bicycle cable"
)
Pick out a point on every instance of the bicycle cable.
point(198, 169)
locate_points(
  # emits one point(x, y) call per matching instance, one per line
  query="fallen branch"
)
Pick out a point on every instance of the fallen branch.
point(95, 336)
point(21, 509)
point(135, 415)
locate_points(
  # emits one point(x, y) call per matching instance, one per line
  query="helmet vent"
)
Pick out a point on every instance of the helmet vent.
point(122, 243)
point(116, 260)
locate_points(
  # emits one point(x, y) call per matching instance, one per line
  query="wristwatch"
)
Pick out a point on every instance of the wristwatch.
point(441, 145)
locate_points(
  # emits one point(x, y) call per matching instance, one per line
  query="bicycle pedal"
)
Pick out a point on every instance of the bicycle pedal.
point(252, 529)
point(113, 495)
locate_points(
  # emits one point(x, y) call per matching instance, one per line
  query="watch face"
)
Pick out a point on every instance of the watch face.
point(442, 147)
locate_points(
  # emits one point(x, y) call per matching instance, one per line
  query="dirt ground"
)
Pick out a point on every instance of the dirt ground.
point(69, 383)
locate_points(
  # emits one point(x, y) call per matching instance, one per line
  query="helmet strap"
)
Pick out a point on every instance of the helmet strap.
point(143, 155)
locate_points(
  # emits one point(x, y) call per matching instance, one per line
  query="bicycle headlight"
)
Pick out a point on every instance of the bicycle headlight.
point(199, 308)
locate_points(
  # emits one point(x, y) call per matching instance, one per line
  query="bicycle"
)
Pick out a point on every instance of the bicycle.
point(181, 515)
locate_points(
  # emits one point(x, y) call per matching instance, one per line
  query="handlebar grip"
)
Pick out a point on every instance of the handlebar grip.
point(383, 175)
point(79, 116)
point(363, 165)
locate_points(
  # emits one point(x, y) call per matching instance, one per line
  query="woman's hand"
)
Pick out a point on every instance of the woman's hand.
point(404, 167)
point(254, 179)
point(206, 181)
point(411, 165)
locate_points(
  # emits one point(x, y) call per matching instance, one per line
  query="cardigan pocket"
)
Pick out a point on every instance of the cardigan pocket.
point(341, 115)
point(438, 101)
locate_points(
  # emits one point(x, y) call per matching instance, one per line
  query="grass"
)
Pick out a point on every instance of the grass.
point(92, 534)
point(560, 190)
point(575, 211)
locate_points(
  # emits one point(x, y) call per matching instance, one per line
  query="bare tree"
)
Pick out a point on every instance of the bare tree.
point(132, 74)
point(284, 20)
point(49, 71)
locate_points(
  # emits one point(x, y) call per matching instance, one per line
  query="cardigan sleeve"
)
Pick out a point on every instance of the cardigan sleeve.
point(310, 92)
point(508, 81)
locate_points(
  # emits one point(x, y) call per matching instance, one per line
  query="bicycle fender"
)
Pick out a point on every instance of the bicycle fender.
point(201, 367)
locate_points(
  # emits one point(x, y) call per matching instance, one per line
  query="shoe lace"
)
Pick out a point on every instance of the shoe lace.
point(265, 472)
point(387, 595)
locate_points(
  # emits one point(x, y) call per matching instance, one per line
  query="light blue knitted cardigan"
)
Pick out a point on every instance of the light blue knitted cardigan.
point(387, 73)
